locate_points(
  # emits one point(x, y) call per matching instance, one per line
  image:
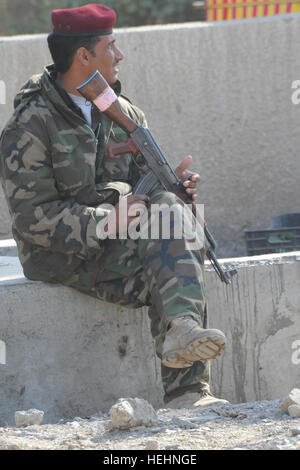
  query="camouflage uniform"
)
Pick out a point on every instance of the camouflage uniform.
point(57, 178)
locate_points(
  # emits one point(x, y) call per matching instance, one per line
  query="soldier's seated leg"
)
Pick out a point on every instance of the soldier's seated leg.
point(165, 273)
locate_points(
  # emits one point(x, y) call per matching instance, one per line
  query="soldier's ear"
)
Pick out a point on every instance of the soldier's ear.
point(83, 55)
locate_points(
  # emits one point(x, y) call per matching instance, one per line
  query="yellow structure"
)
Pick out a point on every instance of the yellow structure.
point(220, 10)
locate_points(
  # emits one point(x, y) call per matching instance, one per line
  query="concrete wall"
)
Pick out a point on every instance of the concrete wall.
point(71, 355)
point(260, 315)
point(219, 92)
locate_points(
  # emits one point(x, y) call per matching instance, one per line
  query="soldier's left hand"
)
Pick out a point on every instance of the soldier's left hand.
point(188, 178)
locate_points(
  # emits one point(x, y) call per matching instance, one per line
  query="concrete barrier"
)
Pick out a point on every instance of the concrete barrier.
point(8, 247)
point(221, 92)
point(71, 355)
point(260, 314)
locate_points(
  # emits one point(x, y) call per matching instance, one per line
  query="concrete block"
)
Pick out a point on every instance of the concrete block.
point(62, 351)
point(8, 247)
point(62, 347)
point(260, 315)
point(11, 271)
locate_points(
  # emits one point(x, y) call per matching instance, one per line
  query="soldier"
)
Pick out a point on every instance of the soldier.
point(58, 181)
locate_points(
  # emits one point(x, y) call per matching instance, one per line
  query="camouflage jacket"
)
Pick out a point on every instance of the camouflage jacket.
point(56, 174)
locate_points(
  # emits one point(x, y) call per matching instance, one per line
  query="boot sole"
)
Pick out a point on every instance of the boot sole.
point(203, 349)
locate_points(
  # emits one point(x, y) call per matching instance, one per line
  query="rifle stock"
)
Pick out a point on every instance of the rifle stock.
point(93, 87)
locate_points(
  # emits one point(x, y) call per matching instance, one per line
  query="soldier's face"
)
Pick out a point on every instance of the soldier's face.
point(106, 58)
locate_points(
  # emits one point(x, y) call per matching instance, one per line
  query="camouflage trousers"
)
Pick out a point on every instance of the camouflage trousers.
point(164, 274)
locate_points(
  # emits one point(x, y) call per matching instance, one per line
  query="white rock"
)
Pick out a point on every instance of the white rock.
point(74, 424)
point(294, 411)
point(130, 412)
point(293, 398)
point(29, 417)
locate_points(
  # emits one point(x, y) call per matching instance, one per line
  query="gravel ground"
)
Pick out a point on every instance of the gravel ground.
point(247, 426)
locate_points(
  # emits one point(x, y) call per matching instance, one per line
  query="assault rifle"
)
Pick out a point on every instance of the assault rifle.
point(157, 169)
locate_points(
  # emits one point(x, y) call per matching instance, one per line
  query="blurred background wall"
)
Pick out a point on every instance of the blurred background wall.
point(221, 92)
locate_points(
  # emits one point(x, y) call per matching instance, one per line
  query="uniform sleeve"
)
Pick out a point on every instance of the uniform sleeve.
point(38, 213)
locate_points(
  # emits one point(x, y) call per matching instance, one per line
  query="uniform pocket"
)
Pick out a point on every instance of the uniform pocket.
point(74, 167)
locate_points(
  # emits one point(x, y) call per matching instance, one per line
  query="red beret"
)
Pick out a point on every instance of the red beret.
point(88, 19)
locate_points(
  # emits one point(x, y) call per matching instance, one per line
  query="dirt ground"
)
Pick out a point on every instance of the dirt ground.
point(247, 426)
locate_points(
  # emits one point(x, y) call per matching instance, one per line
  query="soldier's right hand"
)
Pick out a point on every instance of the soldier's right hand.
point(128, 211)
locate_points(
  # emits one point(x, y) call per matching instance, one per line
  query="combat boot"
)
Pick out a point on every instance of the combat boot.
point(186, 342)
